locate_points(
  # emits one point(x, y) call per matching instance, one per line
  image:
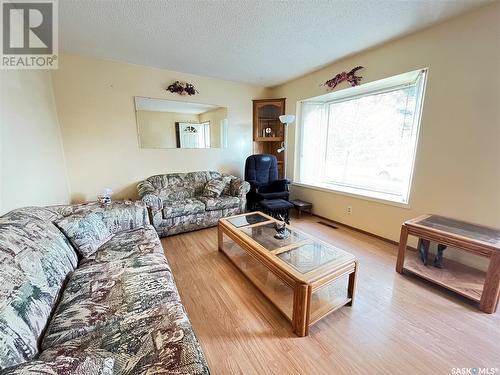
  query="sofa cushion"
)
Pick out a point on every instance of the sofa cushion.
point(183, 207)
point(85, 363)
point(175, 186)
point(176, 192)
point(85, 231)
point(158, 340)
point(181, 224)
point(220, 203)
point(128, 244)
point(24, 214)
point(35, 259)
point(117, 216)
point(215, 187)
point(129, 274)
point(89, 225)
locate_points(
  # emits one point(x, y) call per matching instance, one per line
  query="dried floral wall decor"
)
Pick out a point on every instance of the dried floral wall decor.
point(182, 88)
point(350, 77)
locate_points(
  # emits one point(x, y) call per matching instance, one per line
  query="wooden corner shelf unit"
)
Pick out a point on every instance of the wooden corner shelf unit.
point(268, 131)
point(479, 286)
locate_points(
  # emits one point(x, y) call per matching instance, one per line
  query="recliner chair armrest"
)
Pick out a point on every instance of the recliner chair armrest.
point(263, 188)
point(280, 185)
point(153, 201)
point(258, 187)
point(276, 186)
point(239, 188)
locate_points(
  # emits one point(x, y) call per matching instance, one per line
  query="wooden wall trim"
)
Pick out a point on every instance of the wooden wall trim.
point(356, 229)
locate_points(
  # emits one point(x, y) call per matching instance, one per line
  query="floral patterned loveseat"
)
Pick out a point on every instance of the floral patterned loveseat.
point(177, 203)
point(114, 311)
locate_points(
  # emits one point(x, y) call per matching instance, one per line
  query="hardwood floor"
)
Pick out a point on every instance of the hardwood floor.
point(398, 325)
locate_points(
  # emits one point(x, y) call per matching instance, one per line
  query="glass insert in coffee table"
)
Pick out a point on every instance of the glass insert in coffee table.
point(244, 220)
point(304, 277)
point(264, 236)
point(312, 255)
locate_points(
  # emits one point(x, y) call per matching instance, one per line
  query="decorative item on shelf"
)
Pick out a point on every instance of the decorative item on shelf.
point(282, 231)
point(350, 77)
point(105, 197)
point(268, 132)
point(182, 88)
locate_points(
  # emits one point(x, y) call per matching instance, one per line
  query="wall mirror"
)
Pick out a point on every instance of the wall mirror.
point(165, 123)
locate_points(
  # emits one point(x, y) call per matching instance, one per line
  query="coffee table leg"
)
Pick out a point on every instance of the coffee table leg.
point(403, 240)
point(301, 307)
point(351, 287)
point(220, 239)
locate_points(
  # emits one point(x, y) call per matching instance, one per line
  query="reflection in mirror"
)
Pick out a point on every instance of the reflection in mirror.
point(169, 124)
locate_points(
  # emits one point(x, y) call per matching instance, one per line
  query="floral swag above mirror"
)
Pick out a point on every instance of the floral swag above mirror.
point(182, 88)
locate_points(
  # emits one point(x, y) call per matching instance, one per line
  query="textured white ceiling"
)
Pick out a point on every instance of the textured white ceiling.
point(256, 41)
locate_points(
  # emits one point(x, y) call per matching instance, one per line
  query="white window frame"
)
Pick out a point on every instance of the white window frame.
point(371, 88)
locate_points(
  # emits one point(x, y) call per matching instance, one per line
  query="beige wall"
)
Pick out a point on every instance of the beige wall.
point(157, 129)
point(215, 116)
point(32, 168)
point(457, 170)
point(95, 102)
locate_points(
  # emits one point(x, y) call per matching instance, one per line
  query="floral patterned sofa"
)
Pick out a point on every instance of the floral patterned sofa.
point(114, 311)
point(177, 202)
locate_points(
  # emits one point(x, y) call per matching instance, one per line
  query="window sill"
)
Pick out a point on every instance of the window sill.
point(376, 197)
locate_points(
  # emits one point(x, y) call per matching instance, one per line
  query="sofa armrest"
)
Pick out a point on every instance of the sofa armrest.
point(152, 201)
point(149, 195)
point(239, 188)
point(145, 187)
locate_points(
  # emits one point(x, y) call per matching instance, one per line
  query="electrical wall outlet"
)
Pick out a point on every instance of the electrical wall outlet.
point(349, 210)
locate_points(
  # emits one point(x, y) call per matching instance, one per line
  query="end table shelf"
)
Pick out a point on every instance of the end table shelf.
point(469, 282)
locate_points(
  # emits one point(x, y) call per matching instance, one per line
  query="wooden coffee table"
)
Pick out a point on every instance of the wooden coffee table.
point(305, 278)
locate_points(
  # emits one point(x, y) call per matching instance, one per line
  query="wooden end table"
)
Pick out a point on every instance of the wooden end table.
point(481, 287)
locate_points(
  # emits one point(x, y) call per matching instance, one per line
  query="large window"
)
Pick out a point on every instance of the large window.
point(363, 140)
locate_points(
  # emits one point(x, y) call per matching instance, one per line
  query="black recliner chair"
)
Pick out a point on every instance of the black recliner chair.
point(261, 171)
